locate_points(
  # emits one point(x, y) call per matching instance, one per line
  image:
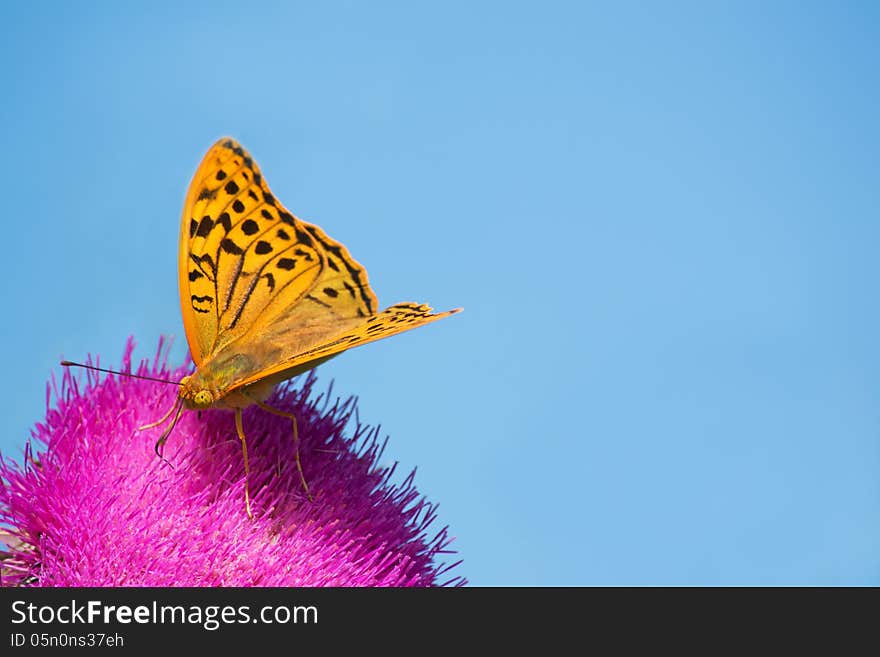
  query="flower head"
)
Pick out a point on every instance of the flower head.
point(92, 504)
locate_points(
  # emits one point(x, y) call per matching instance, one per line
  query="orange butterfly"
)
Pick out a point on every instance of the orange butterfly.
point(265, 296)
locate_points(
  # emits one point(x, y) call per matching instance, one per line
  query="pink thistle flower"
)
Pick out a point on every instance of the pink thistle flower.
point(92, 504)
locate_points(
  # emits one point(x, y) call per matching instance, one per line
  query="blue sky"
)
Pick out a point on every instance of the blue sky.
point(660, 218)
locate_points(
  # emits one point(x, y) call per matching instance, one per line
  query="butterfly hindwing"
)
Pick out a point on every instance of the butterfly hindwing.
point(318, 342)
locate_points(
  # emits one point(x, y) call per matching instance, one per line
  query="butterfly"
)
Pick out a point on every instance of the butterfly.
point(265, 296)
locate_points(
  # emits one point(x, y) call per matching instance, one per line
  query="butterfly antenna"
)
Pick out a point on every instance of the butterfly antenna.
point(70, 363)
point(178, 406)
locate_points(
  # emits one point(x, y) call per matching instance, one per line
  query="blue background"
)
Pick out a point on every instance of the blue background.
point(660, 218)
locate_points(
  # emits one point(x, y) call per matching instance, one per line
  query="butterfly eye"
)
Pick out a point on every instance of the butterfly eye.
point(203, 398)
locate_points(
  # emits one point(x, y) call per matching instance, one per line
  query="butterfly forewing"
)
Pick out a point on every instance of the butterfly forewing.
point(245, 261)
point(263, 292)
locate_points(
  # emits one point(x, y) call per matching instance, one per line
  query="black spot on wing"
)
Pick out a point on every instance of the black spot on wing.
point(225, 221)
point(205, 226)
point(231, 247)
point(231, 187)
point(250, 227)
point(200, 300)
point(203, 261)
point(287, 218)
point(318, 301)
point(238, 206)
point(263, 247)
point(303, 238)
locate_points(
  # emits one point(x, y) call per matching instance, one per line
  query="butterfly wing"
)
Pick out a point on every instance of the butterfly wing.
point(289, 352)
point(245, 261)
point(263, 292)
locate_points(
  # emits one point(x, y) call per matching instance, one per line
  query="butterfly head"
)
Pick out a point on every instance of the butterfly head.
point(194, 393)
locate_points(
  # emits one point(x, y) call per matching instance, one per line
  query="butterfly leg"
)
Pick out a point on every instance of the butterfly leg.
point(162, 421)
point(292, 418)
point(240, 430)
point(161, 442)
